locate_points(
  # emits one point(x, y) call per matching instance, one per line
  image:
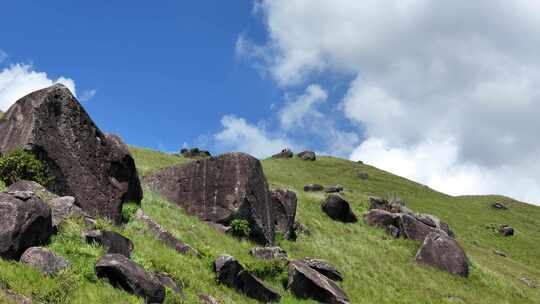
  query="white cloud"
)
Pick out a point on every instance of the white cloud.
point(295, 113)
point(88, 94)
point(424, 72)
point(238, 135)
point(19, 80)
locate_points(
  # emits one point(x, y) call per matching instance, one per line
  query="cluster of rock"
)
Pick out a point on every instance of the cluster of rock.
point(319, 188)
point(194, 153)
point(438, 249)
point(308, 278)
point(304, 155)
point(229, 187)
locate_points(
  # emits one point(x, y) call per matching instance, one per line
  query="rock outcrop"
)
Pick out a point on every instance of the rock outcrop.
point(221, 189)
point(443, 252)
point(194, 153)
point(313, 188)
point(323, 267)
point(95, 168)
point(44, 260)
point(338, 209)
point(269, 253)
point(112, 242)
point(499, 206)
point(231, 273)
point(306, 283)
point(506, 230)
point(126, 274)
point(307, 155)
point(285, 153)
point(25, 221)
point(284, 203)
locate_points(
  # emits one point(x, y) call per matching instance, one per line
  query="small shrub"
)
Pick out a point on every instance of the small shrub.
point(267, 269)
point(240, 228)
point(128, 211)
point(23, 165)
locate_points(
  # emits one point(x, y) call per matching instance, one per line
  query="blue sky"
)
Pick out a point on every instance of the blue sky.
point(401, 85)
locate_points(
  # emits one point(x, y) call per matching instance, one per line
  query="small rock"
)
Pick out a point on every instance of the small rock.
point(44, 260)
point(207, 299)
point(362, 175)
point(227, 269)
point(168, 281)
point(325, 268)
point(506, 230)
point(378, 203)
point(499, 253)
point(333, 189)
point(530, 283)
point(307, 155)
point(300, 228)
point(126, 274)
point(269, 253)
point(284, 203)
point(112, 242)
point(313, 188)
point(443, 252)
point(499, 206)
point(455, 299)
point(64, 207)
point(306, 283)
point(285, 153)
point(394, 231)
point(338, 209)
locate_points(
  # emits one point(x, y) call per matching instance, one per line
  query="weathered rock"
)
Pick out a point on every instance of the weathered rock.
point(323, 267)
point(306, 283)
point(414, 229)
point(114, 243)
point(443, 252)
point(307, 155)
point(362, 175)
point(381, 218)
point(378, 203)
point(25, 221)
point(168, 281)
point(165, 236)
point(41, 192)
point(285, 153)
point(96, 169)
point(44, 260)
point(506, 230)
point(434, 222)
point(300, 228)
point(221, 189)
point(126, 274)
point(313, 188)
point(229, 272)
point(284, 203)
point(338, 209)
point(269, 253)
point(194, 153)
point(499, 206)
point(333, 189)
point(207, 299)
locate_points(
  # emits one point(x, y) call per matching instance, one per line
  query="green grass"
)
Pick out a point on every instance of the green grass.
point(377, 268)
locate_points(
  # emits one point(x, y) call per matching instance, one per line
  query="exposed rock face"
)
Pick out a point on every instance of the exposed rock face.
point(94, 168)
point(313, 188)
point(338, 209)
point(126, 274)
point(443, 252)
point(221, 189)
point(112, 242)
point(333, 189)
point(307, 155)
point(165, 236)
point(324, 268)
point(362, 175)
point(499, 206)
point(306, 283)
point(284, 203)
point(62, 207)
point(285, 153)
point(269, 253)
point(25, 221)
point(231, 273)
point(194, 152)
point(44, 260)
point(506, 230)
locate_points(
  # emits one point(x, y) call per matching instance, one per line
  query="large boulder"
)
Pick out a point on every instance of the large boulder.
point(231, 273)
point(306, 283)
point(307, 155)
point(443, 252)
point(338, 209)
point(44, 260)
point(284, 203)
point(417, 227)
point(221, 189)
point(95, 168)
point(25, 221)
point(381, 218)
point(126, 274)
point(323, 267)
point(111, 241)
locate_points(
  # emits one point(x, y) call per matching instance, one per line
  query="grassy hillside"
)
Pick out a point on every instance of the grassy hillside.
point(377, 268)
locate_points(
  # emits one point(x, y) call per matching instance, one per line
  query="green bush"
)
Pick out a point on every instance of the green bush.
point(272, 269)
point(240, 228)
point(128, 211)
point(23, 165)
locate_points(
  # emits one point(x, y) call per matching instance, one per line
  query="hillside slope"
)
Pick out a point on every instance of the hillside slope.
point(376, 267)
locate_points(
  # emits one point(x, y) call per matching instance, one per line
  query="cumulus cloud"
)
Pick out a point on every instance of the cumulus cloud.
point(88, 94)
point(18, 80)
point(295, 113)
point(427, 76)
